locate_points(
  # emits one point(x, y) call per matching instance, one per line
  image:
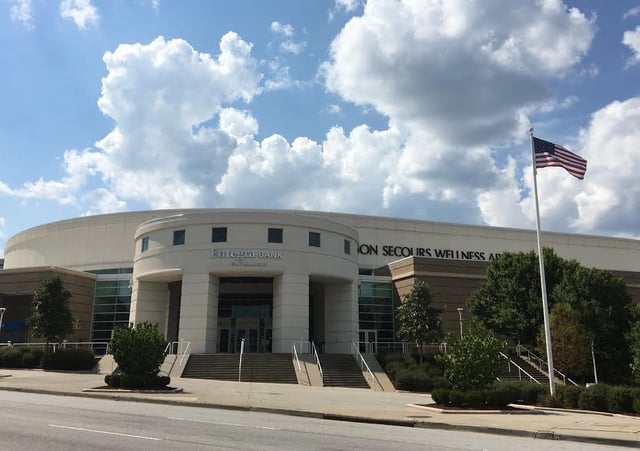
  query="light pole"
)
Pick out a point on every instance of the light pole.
point(2, 310)
point(460, 309)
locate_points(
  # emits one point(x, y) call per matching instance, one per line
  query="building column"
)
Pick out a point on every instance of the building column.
point(150, 302)
point(290, 320)
point(341, 317)
point(199, 312)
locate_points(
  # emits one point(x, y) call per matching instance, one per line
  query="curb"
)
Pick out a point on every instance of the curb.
point(542, 435)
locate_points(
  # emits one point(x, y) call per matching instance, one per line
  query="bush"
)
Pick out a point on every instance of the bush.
point(568, 396)
point(138, 349)
point(620, 399)
point(524, 392)
point(498, 398)
point(474, 399)
point(472, 361)
point(636, 405)
point(11, 357)
point(440, 396)
point(413, 379)
point(594, 398)
point(31, 358)
point(138, 381)
point(456, 398)
point(69, 360)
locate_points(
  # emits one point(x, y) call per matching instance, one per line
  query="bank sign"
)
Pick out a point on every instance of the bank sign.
point(431, 252)
point(247, 257)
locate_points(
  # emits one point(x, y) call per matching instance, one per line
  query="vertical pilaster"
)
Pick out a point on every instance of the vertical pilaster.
point(199, 312)
point(341, 317)
point(290, 320)
point(150, 302)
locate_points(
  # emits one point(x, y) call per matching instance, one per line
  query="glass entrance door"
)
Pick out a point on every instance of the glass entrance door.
point(368, 340)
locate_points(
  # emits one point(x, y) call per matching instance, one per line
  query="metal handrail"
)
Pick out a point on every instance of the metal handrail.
point(295, 356)
point(533, 357)
point(63, 344)
point(407, 347)
point(185, 352)
point(520, 369)
point(314, 351)
point(363, 364)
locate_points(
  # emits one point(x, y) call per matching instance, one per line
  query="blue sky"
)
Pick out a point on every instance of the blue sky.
point(416, 109)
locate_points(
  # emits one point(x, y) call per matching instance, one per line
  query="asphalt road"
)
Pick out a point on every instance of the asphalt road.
point(45, 422)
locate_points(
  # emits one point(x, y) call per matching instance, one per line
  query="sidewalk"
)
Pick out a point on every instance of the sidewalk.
point(359, 405)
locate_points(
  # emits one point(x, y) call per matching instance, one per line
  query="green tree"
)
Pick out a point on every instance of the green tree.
point(472, 361)
point(418, 320)
point(605, 308)
point(509, 301)
point(571, 344)
point(139, 350)
point(50, 316)
point(634, 340)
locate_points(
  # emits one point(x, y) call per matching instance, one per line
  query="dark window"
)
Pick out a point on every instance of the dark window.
point(145, 244)
point(347, 247)
point(314, 239)
point(219, 234)
point(274, 235)
point(178, 237)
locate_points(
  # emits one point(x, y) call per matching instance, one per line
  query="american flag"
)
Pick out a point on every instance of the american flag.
point(550, 154)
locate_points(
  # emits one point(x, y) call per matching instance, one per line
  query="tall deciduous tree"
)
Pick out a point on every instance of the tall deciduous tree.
point(571, 343)
point(509, 301)
point(51, 316)
point(418, 320)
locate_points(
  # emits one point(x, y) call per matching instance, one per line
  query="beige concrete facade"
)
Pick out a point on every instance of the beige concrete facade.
point(313, 291)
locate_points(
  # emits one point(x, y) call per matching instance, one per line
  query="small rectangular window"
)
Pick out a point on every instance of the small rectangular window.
point(347, 247)
point(314, 239)
point(219, 234)
point(178, 237)
point(274, 235)
point(145, 244)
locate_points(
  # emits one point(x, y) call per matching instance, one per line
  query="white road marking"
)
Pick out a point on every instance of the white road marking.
point(104, 432)
point(224, 424)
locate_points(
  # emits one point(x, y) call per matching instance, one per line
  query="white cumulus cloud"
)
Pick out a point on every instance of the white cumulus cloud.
point(81, 12)
point(631, 39)
point(22, 11)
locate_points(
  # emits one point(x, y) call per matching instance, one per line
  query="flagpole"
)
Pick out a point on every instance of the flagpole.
point(543, 284)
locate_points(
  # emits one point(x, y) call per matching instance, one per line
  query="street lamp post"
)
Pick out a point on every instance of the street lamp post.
point(2, 310)
point(460, 309)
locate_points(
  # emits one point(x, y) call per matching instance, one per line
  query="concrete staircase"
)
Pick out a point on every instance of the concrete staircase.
point(273, 368)
point(341, 370)
point(511, 372)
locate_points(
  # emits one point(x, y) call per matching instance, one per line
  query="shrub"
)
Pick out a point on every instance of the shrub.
point(440, 396)
point(138, 349)
point(474, 399)
point(31, 358)
point(472, 362)
point(498, 398)
point(456, 398)
point(413, 379)
point(568, 396)
point(69, 359)
point(594, 398)
point(11, 357)
point(620, 399)
point(636, 405)
point(524, 392)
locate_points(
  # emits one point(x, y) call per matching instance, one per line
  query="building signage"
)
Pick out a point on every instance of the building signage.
point(409, 251)
point(247, 257)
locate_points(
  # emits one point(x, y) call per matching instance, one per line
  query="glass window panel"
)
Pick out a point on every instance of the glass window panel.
point(178, 237)
point(219, 234)
point(274, 235)
point(314, 239)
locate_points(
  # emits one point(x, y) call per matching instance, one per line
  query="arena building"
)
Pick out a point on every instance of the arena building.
point(213, 277)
